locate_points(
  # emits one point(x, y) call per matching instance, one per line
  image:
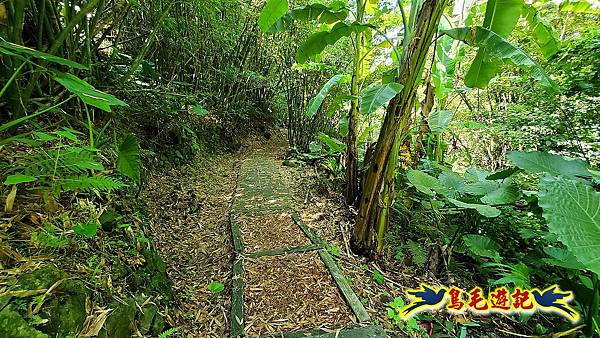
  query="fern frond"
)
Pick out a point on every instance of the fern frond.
point(168, 333)
point(60, 162)
point(102, 184)
point(418, 253)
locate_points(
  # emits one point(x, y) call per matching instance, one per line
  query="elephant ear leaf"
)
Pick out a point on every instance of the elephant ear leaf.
point(555, 165)
point(128, 163)
point(572, 210)
point(439, 120)
point(498, 47)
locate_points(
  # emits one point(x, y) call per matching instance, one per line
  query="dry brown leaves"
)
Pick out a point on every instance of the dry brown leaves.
point(272, 231)
point(188, 209)
point(291, 292)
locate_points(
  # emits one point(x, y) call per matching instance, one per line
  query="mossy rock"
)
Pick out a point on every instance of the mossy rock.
point(119, 269)
point(42, 278)
point(152, 278)
point(14, 326)
point(150, 322)
point(147, 318)
point(66, 309)
point(120, 321)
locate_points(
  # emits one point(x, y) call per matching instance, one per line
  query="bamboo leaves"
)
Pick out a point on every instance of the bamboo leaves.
point(9, 48)
point(86, 92)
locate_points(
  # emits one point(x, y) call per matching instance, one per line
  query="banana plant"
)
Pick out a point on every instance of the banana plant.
point(501, 17)
point(335, 24)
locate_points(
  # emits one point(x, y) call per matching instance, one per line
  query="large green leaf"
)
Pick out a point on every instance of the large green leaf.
point(482, 209)
point(313, 45)
point(501, 16)
point(313, 12)
point(199, 110)
point(86, 92)
point(505, 194)
point(580, 6)
point(22, 50)
point(482, 246)
point(128, 163)
point(444, 67)
point(563, 258)
point(273, 11)
point(555, 165)
point(334, 146)
point(503, 173)
point(316, 102)
point(518, 274)
point(18, 179)
point(572, 210)
point(88, 229)
point(426, 183)
point(439, 120)
point(338, 102)
point(344, 125)
point(374, 97)
point(541, 31)
point(454, 183)
point(482, 70)
point(317, 42)
point(500, 48)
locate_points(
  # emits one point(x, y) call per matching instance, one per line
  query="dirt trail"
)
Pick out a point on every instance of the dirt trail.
point(282, 291)
point(191, 211)
point(188, 209)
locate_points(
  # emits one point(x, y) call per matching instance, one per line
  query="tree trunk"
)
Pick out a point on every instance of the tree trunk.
point(388, 196)
point(397, 119)
point(353, 114)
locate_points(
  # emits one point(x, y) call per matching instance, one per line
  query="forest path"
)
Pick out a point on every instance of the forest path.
point(280, 282)
point(284, 279)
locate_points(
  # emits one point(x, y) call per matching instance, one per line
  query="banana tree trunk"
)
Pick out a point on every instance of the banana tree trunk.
point(397, 119)
point(353, 115)
point(388, 196)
